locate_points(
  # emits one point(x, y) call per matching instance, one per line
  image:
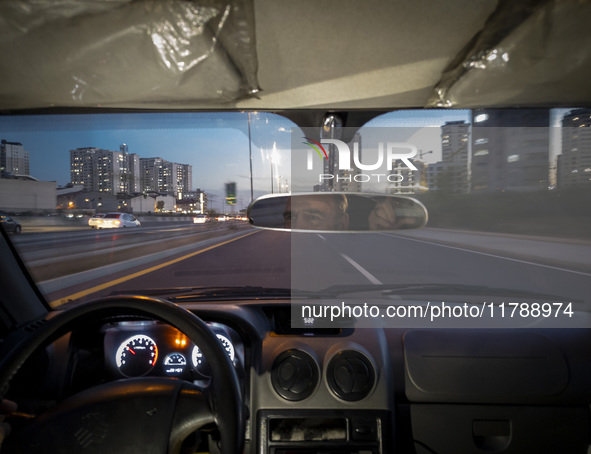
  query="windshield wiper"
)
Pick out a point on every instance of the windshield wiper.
point(187, 294)
point(179, 294)
point(439, 289)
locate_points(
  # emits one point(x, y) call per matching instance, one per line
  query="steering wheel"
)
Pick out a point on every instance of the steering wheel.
point(147, 415)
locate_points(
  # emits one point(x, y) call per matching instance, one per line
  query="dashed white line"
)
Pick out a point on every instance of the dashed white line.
point(370, 277)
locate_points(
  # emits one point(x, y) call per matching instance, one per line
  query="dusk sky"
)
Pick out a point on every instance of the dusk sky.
point(215, 144)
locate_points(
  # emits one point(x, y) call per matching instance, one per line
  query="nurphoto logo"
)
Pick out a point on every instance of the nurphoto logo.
point(388, 152)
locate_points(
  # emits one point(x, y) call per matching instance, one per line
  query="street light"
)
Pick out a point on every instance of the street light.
point(274, 157)
point(250, 159)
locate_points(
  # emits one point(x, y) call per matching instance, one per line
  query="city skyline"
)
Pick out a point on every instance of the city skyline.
point(200, 139)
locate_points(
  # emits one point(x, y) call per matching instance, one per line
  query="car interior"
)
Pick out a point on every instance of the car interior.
point(259, 335)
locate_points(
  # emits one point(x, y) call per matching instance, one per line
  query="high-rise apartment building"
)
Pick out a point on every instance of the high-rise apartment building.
point(574, 168)
point(510, 150)
point(406, 181)
point(344, 180)
point(159, 175)
point(14, 159)
point(82, 169)
point(107, 171)
point(348, 180)
point(130, 170)
point(454, 174)
point(455, 136)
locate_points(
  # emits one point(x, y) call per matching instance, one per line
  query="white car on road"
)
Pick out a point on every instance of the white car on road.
point(114, 221)
point(96, 220)
point(201, 219)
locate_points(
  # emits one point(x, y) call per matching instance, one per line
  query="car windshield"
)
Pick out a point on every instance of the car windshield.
point(506, 191)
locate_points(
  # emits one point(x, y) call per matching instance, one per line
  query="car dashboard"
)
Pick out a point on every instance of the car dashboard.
point(141, 348)
point(358, 390)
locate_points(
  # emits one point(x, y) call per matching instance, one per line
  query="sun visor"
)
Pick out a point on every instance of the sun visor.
point(124, 53)
point(529, 53)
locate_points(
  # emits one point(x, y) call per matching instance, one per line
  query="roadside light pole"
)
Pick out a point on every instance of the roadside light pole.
point(250, 159)
point(274, 159)
point(271, 174)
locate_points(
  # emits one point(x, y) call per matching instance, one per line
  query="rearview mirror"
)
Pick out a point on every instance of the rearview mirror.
point(337, 212)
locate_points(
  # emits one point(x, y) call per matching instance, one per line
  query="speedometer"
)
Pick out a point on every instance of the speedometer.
point(136, 356)
point(227, 345)
point(198, 359)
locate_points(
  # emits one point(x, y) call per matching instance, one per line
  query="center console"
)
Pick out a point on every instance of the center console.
point(323, 431)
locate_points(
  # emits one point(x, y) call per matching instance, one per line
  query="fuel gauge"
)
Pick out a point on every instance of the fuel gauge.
point(175, 364)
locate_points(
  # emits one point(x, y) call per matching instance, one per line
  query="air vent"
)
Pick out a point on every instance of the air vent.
point(350, 375)
point(294, 375)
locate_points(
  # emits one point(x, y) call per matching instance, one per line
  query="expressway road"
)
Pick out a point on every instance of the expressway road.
point(54, 254)
point(187, 256)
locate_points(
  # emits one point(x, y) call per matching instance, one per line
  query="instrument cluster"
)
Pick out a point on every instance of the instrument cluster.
point(152, 348)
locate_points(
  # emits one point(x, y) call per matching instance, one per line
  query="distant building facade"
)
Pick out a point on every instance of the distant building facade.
point(347, 180)
point(510, 150)
point(455, 137)
point(193, 202)
point(166, 177)
point(447, 177)
point(14, 159)
point(107, 171)
point(75, 197)
point(574, 164)
point(344, 180)
point(409, 181)
point(452, 173)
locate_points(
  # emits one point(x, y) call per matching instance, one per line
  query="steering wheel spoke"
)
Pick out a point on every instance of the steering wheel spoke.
point(107, 418)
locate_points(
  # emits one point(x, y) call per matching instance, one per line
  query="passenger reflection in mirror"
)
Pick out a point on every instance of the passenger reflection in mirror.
point(314, 213)
point(389, 214)
point(6, 407)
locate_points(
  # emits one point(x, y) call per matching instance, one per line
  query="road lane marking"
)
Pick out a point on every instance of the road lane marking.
point(129, 277)
point(51, 286)
point(370, 277)
point(488, 255)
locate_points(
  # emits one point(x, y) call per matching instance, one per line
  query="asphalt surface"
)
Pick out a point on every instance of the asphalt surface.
point(90, 264)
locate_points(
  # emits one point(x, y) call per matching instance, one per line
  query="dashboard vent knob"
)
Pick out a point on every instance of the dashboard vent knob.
point(294, 375)
point(350, 375)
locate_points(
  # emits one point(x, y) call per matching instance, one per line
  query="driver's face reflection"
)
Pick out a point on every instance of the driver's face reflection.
point(313, 213)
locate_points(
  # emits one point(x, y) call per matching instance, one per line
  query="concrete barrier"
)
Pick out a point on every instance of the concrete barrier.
point(143, 219)
point(50, 221)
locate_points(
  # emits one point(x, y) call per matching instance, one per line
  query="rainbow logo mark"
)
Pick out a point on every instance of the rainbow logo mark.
point(314, 144)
